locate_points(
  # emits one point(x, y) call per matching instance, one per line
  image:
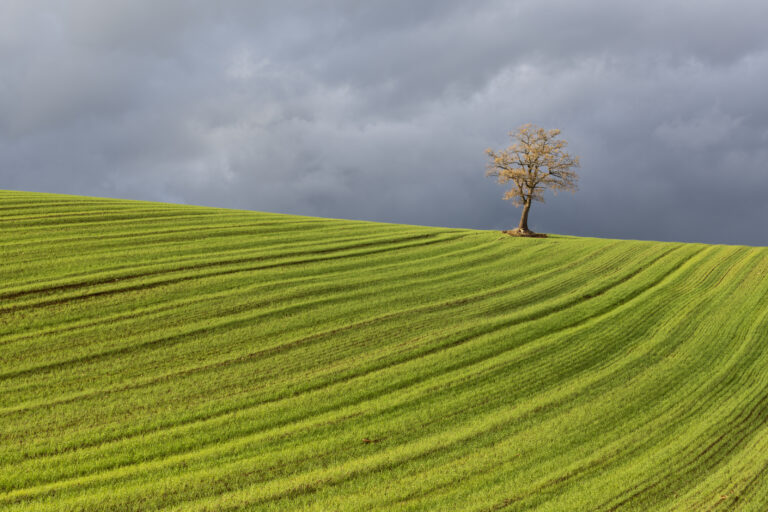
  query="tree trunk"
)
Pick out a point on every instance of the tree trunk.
point(524, 217)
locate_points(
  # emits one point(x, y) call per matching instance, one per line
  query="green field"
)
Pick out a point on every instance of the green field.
point(167, 357)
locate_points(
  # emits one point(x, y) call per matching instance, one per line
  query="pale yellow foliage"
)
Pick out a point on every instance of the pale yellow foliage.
point(535, 161)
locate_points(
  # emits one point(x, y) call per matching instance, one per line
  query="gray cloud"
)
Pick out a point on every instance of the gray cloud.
point(382, 110)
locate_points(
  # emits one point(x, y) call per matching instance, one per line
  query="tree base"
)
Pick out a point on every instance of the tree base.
point(524, 233)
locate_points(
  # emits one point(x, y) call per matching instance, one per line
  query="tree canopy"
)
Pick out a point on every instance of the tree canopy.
point(535, 161)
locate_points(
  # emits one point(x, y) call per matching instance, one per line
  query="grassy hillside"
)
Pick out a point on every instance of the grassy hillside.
point(157, 356)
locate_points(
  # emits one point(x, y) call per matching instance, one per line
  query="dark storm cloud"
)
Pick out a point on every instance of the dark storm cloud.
point(382, 110)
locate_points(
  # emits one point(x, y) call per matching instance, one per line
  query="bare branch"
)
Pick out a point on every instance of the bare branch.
point(535, 161)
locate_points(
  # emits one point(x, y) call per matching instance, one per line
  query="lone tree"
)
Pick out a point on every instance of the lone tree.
point(535, 161)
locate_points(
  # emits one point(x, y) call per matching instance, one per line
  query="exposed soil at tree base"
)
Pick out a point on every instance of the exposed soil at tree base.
point(524, 233)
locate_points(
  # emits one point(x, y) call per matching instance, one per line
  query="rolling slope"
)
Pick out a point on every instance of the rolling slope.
point(180, 358)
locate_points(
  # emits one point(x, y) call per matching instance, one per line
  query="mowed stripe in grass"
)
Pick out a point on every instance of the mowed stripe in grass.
point(168, 357)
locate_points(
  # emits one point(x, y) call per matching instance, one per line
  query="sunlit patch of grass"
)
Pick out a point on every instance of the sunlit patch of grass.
point(167, 357)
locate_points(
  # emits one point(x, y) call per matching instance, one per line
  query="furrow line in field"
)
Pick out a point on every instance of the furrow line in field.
point(696, 410)
point(280, 226)
point(207, 262)
point(165, 254)
point(294, 490)
point(83, 218)
point(696, 402)
point(301, 341)
point(176, 280)
point(133, 222)
point(384, 271)
point(414, 450)
point(700, 302)
point(252, 236)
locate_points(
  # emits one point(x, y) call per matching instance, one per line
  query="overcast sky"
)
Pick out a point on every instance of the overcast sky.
point(382, 110)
